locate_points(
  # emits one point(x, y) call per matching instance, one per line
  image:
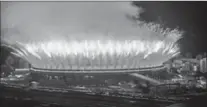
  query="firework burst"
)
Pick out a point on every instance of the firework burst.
point(87, 41)
point(94, 54)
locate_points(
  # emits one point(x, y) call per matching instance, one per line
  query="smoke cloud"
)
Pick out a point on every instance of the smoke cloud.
point(72, 20)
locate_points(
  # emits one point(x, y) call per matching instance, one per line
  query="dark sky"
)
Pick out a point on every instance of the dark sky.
point(188, 16)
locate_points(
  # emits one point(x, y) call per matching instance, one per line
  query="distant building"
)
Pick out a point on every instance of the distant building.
point(203, 65)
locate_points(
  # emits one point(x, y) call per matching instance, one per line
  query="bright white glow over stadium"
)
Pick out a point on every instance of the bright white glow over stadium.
point(98, 54)
point(92, 35)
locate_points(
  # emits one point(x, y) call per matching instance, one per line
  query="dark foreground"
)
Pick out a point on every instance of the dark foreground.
point(11, 102)
point(25, 97)
point(14, 102)
point(17, 97)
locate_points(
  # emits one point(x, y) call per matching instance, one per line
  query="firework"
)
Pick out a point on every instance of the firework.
point(93, 54)
point(67, 38)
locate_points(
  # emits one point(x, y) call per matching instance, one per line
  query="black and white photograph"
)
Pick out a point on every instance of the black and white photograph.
point(103, 54)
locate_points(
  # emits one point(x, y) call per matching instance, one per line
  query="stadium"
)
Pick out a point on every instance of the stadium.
point(107, 78)
point(113, 61)
point(91, 59)
point(111, 68)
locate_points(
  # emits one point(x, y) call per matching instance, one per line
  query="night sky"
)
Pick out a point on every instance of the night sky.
point(188, 16)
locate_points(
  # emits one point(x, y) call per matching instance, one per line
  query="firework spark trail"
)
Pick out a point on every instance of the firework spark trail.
point(40, 54)
point(61, 35)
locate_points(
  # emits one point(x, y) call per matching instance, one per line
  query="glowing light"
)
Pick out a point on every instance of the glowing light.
point(81, 36)
point(98, 53)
